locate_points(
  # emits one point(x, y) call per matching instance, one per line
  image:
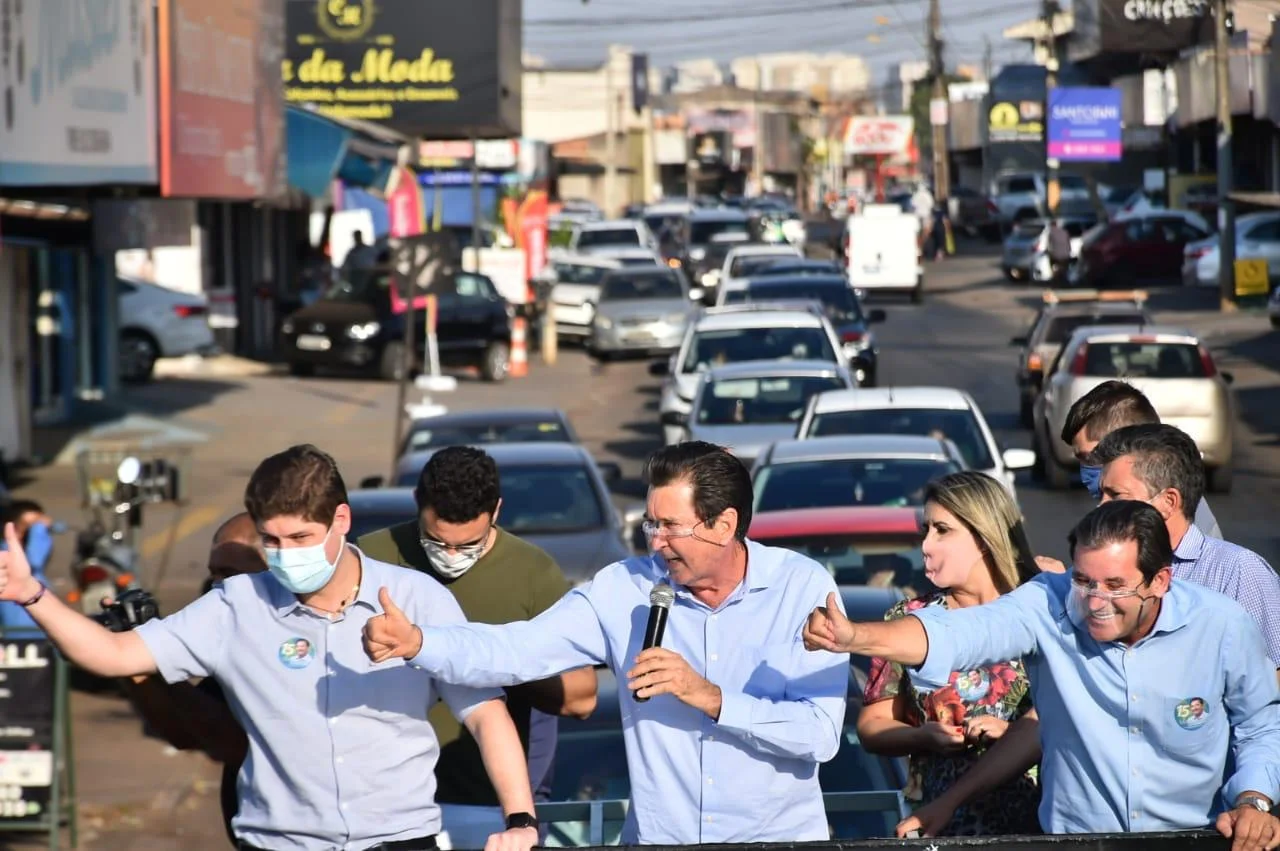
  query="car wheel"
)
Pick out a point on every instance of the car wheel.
point(869, 378)
point(1220, 479)
point(1275, 321)
point(497, 359)
point(392, 367)
point(1037, 469)
point(138, 355)
point(1026, 411)
point(1056, 476)
point(302, 370)
point(917, 294)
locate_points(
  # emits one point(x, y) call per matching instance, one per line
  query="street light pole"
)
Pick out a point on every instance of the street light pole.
point(1052, 186)
point(941, 176)
point(1226, 207)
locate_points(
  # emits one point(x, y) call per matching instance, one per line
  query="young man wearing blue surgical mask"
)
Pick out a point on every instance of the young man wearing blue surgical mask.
point(496, 578)
point(35, 529)
point(341, 754)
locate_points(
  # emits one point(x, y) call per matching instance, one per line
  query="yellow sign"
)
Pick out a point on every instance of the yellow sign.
point(1004, 116)
point(1252, 278)
point(346, 20)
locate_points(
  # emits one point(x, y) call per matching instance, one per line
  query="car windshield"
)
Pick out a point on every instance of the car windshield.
point(960, 427)
point(1143, 360)
point(576, 273)
point(364, 522)
point(761, 401)
point(742, 266)
point(1062, 327)
point(638, 261)
point(877, 561)
point(595, 237)
point(838, 300)
point(360, 285)
point(734, 345)
point(1072, 182)
point(1030, 229)
point(700, 233)
point(786, 267)
point(617, 287)
point(534, 431)
point(836, 482)
point(543, 499)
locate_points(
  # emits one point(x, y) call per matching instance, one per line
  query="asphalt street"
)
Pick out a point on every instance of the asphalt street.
point(958, 337)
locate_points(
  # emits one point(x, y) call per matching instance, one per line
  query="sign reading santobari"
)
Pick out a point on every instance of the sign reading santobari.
point(417, 66)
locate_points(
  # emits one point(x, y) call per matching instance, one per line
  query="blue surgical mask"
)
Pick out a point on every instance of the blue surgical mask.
point(303, 570)
point(1091, 477)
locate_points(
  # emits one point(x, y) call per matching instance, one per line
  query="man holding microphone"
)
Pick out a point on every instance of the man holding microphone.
point(726, 717)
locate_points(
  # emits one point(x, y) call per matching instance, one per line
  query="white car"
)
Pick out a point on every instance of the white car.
point(734, 334)
point(157, 322)
point(592, 237)
point(575, 288)
point(926, 411)
point(739, 257)
point(1257, 238)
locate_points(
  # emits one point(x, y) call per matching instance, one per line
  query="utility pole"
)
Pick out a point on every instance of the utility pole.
point(611, 140)
point(941, 181)
point(757, 155)
point(1226, 207)
point(986, 58)
point(1050, 13)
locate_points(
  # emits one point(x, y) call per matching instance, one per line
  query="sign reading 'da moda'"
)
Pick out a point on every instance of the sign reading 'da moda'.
point(1139, 26)
point(420, 67)
point(77, 92)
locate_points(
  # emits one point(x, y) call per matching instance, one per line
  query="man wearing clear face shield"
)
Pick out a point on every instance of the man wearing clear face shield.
point(1146, 685)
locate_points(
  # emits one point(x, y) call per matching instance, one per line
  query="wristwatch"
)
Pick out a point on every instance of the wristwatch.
point(516, 820)
point(1256, 801)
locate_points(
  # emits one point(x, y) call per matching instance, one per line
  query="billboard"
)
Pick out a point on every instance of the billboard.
point(1015, 121)
point(1138, 26)
point(221, 117)
point(77, 105)
point(420, 67)
point(1085, 124)
point(880, 135)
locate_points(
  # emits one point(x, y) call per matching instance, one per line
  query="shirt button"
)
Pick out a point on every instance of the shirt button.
point(344, 806)
point(1134, 730)
point(709, 781)
point(333, 721)
point(1135, 814)
point(1134, 698)
point(715, 657)
point(711, 738)
point(338, 760)
point(1136, 771)
point(708, 819)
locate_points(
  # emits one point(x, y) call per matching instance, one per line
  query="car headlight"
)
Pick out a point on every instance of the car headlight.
point(364, 331)
point(287, 327)
point(604, 323)
point(697, 253)
point(710, 279)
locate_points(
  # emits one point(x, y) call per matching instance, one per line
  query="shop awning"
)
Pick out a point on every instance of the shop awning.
point(322, 148)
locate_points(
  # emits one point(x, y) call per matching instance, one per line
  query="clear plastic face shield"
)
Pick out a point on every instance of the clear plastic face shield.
point(1109, 614)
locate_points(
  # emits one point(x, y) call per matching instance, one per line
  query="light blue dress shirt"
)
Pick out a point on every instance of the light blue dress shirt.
point(340, 751)
point(751, 776)
point(1125, 749)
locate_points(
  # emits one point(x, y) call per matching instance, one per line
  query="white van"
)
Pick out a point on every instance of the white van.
point(884, 251)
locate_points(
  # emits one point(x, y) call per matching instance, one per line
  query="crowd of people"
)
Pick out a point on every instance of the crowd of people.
point(388, 692)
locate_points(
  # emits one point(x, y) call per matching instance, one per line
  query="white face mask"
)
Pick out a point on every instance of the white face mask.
point(451, 563)
point(303, 570)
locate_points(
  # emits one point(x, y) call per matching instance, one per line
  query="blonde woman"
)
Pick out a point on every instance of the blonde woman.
point(974, 549)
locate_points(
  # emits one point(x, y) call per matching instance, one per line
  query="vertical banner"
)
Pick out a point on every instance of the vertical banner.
point(639, 81)
point(27, 698)
point(405, 210)
point(533, 219)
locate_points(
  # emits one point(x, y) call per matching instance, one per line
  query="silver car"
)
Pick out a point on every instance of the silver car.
point(575, 287)
point(640, 310)
point(1171, 366)
point(747, 406)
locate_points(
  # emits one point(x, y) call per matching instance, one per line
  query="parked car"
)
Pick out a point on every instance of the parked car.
point(842, 306)
point(871, 470)
point(926, 411)
point(1060, 314)
point(1135, 249)
point(494, 425)
point(554, 495)
point(1257, 238)
point(747, 406)
point(724, 335)
point(354, 327)
point(1171, 366)
point(157, 322)
point(974, 213)
point(592, 237)
point(640, 310)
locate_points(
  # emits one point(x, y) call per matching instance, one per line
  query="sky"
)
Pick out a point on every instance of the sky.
point(881, 31)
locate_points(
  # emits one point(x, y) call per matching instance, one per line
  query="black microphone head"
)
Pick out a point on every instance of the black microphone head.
point(662, 596)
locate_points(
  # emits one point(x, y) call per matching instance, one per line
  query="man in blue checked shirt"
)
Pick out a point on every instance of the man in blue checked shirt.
point(1145, 684)
point(727, 749)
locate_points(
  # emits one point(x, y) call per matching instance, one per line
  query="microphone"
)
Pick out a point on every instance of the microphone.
point(660, 600)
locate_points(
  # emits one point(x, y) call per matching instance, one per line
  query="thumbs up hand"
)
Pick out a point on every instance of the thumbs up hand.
point(828, 629)
point(391, 634)
point(16, 582)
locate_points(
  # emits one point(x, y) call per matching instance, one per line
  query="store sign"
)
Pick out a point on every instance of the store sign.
point(1139, 26)
point(1085, 124)
point(221, 117)
point(422, 69)
point(491, 155)
point(1021, 121)
point(77, 93)
point(27, 696)
point(879, 135)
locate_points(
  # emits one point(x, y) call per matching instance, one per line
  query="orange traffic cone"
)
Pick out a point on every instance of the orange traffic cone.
point(519, 350)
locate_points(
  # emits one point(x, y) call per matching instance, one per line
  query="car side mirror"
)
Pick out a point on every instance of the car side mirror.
point(1018, 341)
point(674, 418)
point(610, 471)
point(1019, 459)
point(659, 368)
point(697, 294)
point(876, 316)
point(371, 483)
point(1228, 378)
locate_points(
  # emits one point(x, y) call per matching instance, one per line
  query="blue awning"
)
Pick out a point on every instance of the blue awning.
point(321, 149)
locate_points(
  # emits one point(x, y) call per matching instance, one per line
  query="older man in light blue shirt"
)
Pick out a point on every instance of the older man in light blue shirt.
point(727, 747)
point(1144, 685)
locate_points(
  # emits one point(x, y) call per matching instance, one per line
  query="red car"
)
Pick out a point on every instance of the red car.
point(1123, 253)
point(871, 546)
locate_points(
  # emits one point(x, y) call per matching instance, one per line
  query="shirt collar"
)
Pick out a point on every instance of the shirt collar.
point(761, 569)
point(1191, 545)
point(1175, 611)
point(286, 602)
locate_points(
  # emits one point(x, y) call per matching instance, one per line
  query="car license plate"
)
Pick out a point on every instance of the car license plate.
point(640, 337)
point(313, 343)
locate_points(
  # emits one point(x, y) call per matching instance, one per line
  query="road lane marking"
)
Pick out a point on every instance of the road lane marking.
point(342, 414)
point(156, 543)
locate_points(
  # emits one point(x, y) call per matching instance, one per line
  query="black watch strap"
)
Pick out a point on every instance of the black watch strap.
point(517, 820)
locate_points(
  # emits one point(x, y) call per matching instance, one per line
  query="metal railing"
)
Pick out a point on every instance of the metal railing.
point(596, 815)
